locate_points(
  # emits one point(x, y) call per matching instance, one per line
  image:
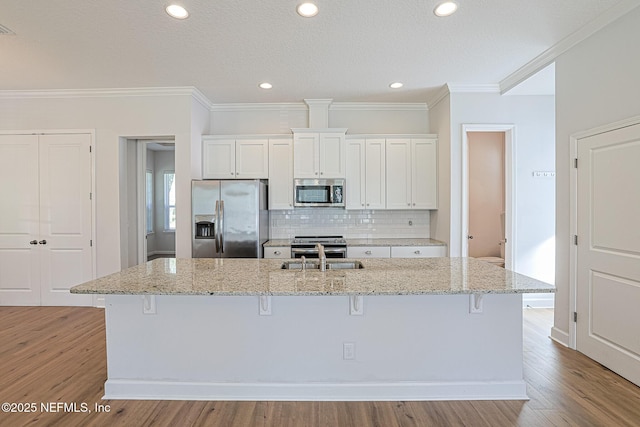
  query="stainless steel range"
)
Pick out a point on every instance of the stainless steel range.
point(334, 246)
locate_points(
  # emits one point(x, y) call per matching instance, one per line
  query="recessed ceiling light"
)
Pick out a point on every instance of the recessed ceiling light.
point(177, 11)
point(446, 8)
point(396, 85)
point(307, 10)
point(265, 85)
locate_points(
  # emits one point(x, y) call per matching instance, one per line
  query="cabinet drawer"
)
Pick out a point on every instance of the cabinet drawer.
point(368, 252)
point(275, 252)
point(418, 251)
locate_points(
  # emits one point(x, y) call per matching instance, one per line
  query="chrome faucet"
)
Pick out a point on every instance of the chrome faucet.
point(303, 260)
point(322, 257)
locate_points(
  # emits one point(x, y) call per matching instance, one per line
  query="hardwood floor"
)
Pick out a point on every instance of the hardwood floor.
point(56, 355)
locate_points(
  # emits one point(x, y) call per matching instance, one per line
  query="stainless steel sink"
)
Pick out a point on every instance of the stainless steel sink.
point(331, 265)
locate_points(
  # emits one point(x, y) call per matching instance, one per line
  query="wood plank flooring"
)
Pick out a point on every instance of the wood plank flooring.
point(57, 354)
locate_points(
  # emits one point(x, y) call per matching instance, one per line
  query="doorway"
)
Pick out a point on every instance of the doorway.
point(147, 199)
point(488, 228)
point(486, 236)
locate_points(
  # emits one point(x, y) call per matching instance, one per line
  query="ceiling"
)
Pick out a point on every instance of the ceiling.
point(351, 51)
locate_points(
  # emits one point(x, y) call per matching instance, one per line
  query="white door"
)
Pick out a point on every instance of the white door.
point(375, 174)
point(608, 265)
point(280, 173)
point(219, 159)
point(332, 155)
point(355, 178)
point(45, 236)
point(19, 224)
point(306, 151)
point(424, 174)
point(398, 163)
point(252, 158)
point(65, 217)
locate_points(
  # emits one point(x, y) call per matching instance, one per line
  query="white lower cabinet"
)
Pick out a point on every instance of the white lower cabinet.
point(277, 252)
point(368, 252)
point(418, 251)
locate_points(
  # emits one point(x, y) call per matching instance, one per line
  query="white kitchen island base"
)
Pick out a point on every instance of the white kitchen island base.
point(402, 347)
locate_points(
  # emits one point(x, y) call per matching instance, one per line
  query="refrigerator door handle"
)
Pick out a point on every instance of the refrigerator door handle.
point(217, 227)
point(221, 233)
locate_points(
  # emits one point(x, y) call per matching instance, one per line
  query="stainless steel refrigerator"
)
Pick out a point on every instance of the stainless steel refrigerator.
point(230, 218)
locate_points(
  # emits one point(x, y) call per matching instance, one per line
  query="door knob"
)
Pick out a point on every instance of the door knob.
point(43, 242)
point(33, 242)
point(470, 237)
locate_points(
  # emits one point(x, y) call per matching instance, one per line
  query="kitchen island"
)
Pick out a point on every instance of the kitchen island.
point(246, 329)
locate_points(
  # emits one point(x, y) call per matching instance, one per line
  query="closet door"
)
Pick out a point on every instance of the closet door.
point(65, 217)
point(19, 223)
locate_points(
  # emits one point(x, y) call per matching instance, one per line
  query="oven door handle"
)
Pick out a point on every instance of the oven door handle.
point(304, 251)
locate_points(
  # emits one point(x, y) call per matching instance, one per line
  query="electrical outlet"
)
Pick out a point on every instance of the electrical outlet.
point(349, 351)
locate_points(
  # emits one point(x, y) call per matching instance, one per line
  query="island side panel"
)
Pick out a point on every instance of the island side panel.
point(418, 347)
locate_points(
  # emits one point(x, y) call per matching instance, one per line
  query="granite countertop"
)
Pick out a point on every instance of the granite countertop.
point(370, 242)
point(242, 277)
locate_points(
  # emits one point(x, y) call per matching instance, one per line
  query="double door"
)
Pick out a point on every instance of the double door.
point(45, 231)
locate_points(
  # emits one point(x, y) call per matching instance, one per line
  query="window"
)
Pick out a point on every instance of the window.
point(149, 200)
point(169, 201)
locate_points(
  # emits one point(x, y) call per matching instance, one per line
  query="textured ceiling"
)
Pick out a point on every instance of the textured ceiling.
point(350, 51)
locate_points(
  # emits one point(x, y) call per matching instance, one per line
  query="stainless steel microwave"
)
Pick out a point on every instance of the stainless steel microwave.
point(319, 192)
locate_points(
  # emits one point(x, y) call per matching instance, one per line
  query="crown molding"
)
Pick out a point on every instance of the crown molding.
point(379, 106)
point(549, 55)
point(473, 88)
point(440, 94)
point(104, 93)
point(275, 106)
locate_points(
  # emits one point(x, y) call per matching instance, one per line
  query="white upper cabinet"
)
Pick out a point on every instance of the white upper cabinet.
point(319, 154)
point(233, 158)
point(411, 173)
point(365, 179)
point(280, 174)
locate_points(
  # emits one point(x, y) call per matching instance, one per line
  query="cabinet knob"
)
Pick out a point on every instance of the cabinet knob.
point(368, 204)
point(408, 204)
point(417, 252)
point(277, 252)
point(316, 173)
point(43, 242)
point(367, 252)
point(231, 173)
point(414, 204)
point(363, 204)
point(321, 173)
point(33, 242)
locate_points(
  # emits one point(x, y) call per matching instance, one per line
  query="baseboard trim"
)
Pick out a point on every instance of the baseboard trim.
point(391, 391)
point(559, 336)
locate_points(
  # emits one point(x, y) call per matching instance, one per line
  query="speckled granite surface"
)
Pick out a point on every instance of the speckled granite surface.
point(370, 242)
point(170, 276)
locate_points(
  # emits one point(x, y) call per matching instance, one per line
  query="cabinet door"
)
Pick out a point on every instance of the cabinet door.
point(424, 176)
point(19, 220)
point(277, 252)
point(368, 252)
point(418, 251)
point(219, 159)
point(375, 174)
point(306, 163)
point(252, 158)
point(355, 178)
point(280, 174)
point(332, 155)
point(398, 179)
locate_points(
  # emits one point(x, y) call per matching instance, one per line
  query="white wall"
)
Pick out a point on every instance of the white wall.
point(358, 118)
point(597, 83)
point(534, 119)
point(114, 114)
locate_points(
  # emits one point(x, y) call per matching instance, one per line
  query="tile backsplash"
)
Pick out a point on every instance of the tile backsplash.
point(363, 224)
